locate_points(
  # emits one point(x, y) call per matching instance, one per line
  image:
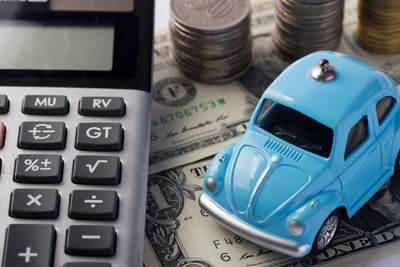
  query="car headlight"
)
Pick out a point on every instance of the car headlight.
point(211, 184)
point(296, 228)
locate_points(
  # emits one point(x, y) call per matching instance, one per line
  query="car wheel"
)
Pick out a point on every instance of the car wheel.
point(397, 164)
point(326, 232)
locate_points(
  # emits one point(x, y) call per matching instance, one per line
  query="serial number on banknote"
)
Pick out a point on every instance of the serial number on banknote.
point(188, 112)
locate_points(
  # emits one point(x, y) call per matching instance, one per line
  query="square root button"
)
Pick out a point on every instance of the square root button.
point(97, 170)
point(99, 136)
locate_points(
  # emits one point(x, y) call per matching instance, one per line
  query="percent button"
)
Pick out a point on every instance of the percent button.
point(38, 169)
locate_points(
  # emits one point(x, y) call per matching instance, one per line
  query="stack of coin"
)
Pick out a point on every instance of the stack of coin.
point(305, 26)
point(378, 27)
point(211, 40)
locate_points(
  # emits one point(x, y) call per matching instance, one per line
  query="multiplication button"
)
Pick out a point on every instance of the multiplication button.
point(42, 135)
point(29, 245)
point(35, 203)
point(97, 170)
point(99, 136)
point(38, 169)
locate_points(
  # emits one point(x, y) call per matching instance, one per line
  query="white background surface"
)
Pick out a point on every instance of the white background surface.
point(161, 21)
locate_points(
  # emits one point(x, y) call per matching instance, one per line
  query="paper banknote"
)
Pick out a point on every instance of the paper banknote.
point(191, 121)
point(179, 233)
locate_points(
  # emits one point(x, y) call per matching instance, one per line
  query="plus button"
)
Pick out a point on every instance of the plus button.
point(28, 254)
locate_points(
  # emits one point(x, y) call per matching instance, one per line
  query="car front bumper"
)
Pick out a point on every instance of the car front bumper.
point(259, 237)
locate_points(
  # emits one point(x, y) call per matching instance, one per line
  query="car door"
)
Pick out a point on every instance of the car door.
point(384, 110)
point(361, 161)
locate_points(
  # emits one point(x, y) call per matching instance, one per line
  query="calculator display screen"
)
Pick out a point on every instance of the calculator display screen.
point(30, 46)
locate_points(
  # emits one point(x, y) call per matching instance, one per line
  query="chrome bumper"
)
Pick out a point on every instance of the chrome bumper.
point(261, 238)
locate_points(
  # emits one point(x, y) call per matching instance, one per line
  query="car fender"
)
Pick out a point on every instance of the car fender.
point(315, 211)
point(218, 166)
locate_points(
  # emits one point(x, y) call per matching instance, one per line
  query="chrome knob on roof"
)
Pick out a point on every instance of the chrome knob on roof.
point(323, 71)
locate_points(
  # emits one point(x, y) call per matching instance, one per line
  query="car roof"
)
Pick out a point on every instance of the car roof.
point(330, 102)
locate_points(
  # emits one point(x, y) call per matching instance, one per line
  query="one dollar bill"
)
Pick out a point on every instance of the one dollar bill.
point(179, 233)
point(191, 121)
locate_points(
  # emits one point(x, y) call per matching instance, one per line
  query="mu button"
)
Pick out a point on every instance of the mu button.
point(45, 105)
point(99, 136)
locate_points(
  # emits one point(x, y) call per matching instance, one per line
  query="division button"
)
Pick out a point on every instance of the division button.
point(2, 134)
point(90, 240)
point(42, 135)
point(35, 203)
point(93, 205)
point(99, 136)
point(87, 264)
point(38, 169)
point(45, 105)
point(29, 245)
point(97, 170)
point(102, 106)
point(4, 104)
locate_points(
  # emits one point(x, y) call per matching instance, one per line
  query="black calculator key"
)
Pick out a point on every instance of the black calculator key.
point(87, 264)
point(102, 106)
point(38, 169)
point(45, 105)
point(99, 136)
point(4, 104)
point(42, 135)
point(97, 170)
point(2, 134)
point(29, 245)
point(93, 205)
point(35, 203)
point(91, 240)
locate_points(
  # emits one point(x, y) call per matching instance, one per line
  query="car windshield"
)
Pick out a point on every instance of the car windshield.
point(295, 128)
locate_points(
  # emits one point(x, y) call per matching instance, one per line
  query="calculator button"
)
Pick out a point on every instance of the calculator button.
point(93, 205)
point(35, 203)
point(99, 136)
point(29, 245)
point(2, 134)
point(4, 104)
point(38, 169)
point(45, 105)
point(102, 106)
point(42, 135)
point(87, 264)
point(97, 170)
point(90, 240)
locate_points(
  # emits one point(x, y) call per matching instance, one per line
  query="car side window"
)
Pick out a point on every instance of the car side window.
point(357, 135)
point(383, 107)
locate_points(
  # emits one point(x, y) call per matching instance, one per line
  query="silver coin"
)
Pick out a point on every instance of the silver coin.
point(207, 15)
point(304, 26)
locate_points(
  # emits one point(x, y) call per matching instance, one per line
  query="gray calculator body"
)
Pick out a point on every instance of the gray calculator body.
point(118, 67)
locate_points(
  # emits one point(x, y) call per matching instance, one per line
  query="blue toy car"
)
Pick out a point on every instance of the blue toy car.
point(322, 140)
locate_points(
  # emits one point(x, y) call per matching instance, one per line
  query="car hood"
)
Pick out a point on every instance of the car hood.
point(265, 179)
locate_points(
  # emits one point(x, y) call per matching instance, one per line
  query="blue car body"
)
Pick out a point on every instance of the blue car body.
point(263, 183)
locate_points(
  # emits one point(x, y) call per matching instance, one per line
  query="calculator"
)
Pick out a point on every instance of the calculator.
point(75, 104)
